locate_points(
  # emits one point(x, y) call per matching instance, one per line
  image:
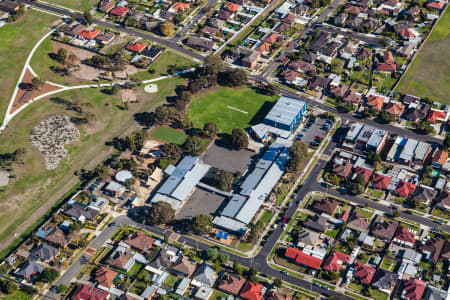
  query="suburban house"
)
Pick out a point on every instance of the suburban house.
point(44, 252)
point(363, 273)
point(380, 181)
point(200, 44)
point(54, 236)
point(358, 222)
point(9, 6)
point(231, 284)
point(302, 258)
point(204, 276)
point(443, 200)
point(252, 291)
point(184, 267)
point(385, 281)
point(79, 212)
point(413, 289)
point(385, 230)
point(432, 248)
point(104, 278)
point(404, 189)
point(86, 292)
point(326, 205)
point(136, 47)
point(29, 269)
point(335, 260)
point(439, 158)
point(375, 102)
point(139, 241)
point(404, 236)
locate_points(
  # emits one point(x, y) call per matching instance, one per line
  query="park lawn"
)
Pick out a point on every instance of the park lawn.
point(18, 295)
point(17, 40)
point(429, 73)
point(35, 189)
point(163, 64)
point(80, 5)
point(42, 63)
point(169, 135)
point(214, 106)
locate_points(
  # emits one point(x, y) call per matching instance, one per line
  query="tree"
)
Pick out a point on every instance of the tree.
point(88, 17)
point(358, 185)
point(224, 179)
point(424, 127)
point(62, 288)
point(239, 139)
point(270, 89)
point(48, 275)
point(172, 151)
point(202, 224)
point(160, 213)
point(37, 83)
point(374, 158)
point(62, 55)
point(8, 287)
point(210, 129)
point(414, 203)
point(233, 77)
point(385, 41)
point(162, 115)
point(115, 89)
point(396, 214)
point(224, 258)
point(252, 272)
point(278, 283)
point(212, 253)
point(386, 117)
point(297, 154)
point(237, 268)
point(194, 145)
point(166, 28)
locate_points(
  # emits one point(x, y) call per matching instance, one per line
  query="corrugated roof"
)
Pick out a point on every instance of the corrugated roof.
point(188, 162)
point(252, 181)
point(164, 198)
point(233, 206)
point(189, 181)
point(285, 110)
point(230, 224)
point(421, 150)
point(263, 189)
point(376, 138)
point(408, 150)
point(353, 132)
point(269, 156)
point(365, 133)
point(169, 185)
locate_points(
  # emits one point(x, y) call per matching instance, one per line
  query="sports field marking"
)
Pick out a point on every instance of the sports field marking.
point(237, 109)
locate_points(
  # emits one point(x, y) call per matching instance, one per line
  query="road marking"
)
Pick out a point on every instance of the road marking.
point(237, 109)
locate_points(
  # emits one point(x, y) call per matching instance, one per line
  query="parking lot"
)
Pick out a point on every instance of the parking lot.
point(201, 202)
point(219, 155)
point(315, 130)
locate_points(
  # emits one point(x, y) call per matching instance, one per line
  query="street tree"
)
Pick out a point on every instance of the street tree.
point(212, 253)
point(202, 224)
point(166, 28)
point(210, 129)
point(48, 275)
point(224, 258)
point(88, 17)
point(160, 213)
point(278, 283)
point(297, 154)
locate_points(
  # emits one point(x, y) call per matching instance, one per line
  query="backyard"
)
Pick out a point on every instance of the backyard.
point(17, 41)
point(229, 108)
point(34, 189)
point(429, 73)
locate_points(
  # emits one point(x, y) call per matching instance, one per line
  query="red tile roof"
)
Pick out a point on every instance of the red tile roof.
point(89, 34)
point(414, 289)
point(395, 109)
point(434, 115)
point(86, 292)
point(387, 67)
point(252, 291)
point(403, 234)
point(136, 47)
point(405, 188)
point(140, 241)
point(303, 258)
point(105, 276)
point(232, 7)
point(381, 181)
point(375, 102)
point(334, 261)
point(119, 11)
point(231, 284)
point(365, 173)
point(436, 5)
point(180, 6)
point(364, 273)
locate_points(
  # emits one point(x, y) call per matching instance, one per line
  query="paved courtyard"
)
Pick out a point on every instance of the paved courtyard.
point(201, 202)
point(219, 155)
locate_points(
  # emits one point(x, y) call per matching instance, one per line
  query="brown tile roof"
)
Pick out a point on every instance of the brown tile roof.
point(105, 277)
point(120, 259)
point(185, 266)
point(57, 237)
point(433, 247)
point(446, 250)
point(289, 75)
point(381, 181)
point(440, 156)
point(375, 102)
point(395, 109)
point(339, 91)
point(364, 53)
point(354, 10)
point(139, 241)
point(444, 200)
point(272, 38)
point(357, 221)
point(231, 284)
point(384, 230)
point(343, 170)
point(301, 66)
point(326, 205)
point(388, 58)
point(352, 97)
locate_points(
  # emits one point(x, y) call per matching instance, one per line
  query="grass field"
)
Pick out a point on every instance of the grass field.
point(169, 135)
point(429, 73)
point(34, 189)
point(214, 106)
point(162, 65)
point(17, 40)
point(81, 5)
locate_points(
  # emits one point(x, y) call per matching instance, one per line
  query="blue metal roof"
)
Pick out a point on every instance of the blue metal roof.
point(285, 110)
point(233, 206)
point(269, 156)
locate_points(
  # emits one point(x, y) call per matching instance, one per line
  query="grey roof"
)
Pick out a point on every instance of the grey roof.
point(384, 280)
point(269, 156)
point(175, 203)
point(263, 189)
point(433, 293)
point(233, 206)
point(123, 176)
point(317, 223)
point(29, 269)
point(169, 185)
point(408, 150)
point(206, 274)
point(44, 252)
point(421, 150)
point(365, 134)
point(149, 291)
point(114, 186)
point(230, 224)
point(285, 110)
point(182, 286)
point(252, 181)
point(376, 138)
point(76, 210)
point(188, 162)
point(354, 131)
point(162, 261)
